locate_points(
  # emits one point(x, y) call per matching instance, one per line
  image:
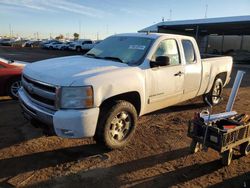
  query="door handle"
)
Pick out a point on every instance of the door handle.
point(178, 73)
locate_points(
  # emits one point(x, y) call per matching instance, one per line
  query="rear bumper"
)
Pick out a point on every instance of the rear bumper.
point(66, 123)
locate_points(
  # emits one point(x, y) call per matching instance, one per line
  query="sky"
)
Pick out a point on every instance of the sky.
point(100, 18)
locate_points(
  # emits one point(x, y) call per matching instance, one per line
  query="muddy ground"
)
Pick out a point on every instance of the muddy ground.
point(158, 155)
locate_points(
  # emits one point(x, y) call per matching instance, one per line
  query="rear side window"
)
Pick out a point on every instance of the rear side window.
point(188, 51)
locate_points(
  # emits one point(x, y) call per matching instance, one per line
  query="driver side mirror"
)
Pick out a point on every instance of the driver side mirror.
point(160, 61)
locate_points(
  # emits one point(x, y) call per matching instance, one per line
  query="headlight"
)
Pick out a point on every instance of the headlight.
point(76, 97)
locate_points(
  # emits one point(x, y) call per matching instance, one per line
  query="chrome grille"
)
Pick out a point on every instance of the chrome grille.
point(41, 93)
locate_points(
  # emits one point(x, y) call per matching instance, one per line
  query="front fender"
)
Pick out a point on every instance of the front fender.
point(116, 86)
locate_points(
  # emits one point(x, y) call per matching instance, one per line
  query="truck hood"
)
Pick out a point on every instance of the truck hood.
point(65, 70)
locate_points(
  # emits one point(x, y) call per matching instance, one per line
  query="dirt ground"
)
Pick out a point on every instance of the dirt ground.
point(158, 155)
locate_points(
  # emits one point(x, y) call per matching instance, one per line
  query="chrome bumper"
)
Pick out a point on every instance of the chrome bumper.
point(34, 111)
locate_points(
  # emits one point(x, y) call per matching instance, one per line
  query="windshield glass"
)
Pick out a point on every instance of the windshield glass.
point(125, 49)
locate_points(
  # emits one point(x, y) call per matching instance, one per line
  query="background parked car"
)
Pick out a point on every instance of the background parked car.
point(52, 45)
point(31, 43)
point(6, 42)
point(63, 46)
point(46, 42)
point(10, 77)
point(78, 45)
point(90, 46)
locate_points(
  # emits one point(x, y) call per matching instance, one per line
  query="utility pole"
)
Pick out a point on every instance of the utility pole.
point(80, 29)
point(10, 30)
point(206, 10)
point(170, 14)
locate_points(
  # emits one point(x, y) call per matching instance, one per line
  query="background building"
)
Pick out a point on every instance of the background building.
point(225, 36)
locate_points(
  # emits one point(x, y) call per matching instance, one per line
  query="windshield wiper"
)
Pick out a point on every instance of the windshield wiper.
point(93, 56)
point(113, 58)
point(90, 54)
point(107, 57)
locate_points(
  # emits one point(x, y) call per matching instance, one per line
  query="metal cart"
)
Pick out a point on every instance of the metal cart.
point(206, 131)
point(224, 142)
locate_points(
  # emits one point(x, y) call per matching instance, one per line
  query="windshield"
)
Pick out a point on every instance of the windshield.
point(124, 49)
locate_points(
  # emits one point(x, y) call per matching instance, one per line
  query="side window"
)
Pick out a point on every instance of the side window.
point(168, 48)
point(87, 42)
point(188, 51)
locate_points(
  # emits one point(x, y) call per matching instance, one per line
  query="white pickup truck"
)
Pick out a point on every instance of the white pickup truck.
point(103, 92)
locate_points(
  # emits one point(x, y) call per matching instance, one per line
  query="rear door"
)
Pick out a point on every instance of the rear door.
point(193, 70)
point(166, 82)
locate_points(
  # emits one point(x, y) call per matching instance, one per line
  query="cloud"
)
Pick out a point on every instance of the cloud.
point(54, 6)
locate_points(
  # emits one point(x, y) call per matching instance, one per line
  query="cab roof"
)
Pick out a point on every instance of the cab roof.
point(152, 35)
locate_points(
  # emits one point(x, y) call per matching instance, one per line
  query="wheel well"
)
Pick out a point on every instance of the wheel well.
point(222, 76)
point(132, 97)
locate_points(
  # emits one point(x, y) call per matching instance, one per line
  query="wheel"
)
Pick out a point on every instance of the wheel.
point(227, 157)
point(214, 96)
point(12, 88)
point(78, 49)
point(195, 146)
point(50, 47)
point(117, 125)
point(245, 148)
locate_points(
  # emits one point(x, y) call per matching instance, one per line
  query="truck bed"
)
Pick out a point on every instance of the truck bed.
point(213, 65)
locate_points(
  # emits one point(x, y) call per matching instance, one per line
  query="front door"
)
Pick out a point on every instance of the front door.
point(166, 82)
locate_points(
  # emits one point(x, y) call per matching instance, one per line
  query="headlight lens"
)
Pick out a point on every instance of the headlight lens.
point(76, 97)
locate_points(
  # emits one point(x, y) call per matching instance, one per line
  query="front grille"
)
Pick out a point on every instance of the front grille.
point(38, 84)
point(40, 93)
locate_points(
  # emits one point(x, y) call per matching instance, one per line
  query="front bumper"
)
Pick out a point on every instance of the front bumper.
point(66, 123)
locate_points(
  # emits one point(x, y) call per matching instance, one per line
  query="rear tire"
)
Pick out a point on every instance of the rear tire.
point(12, 88)
point(214, 96)
point(116, 126)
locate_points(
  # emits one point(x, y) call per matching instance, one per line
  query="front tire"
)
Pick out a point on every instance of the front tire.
point(117, 125)
point(214, 96)
point(12, 88)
